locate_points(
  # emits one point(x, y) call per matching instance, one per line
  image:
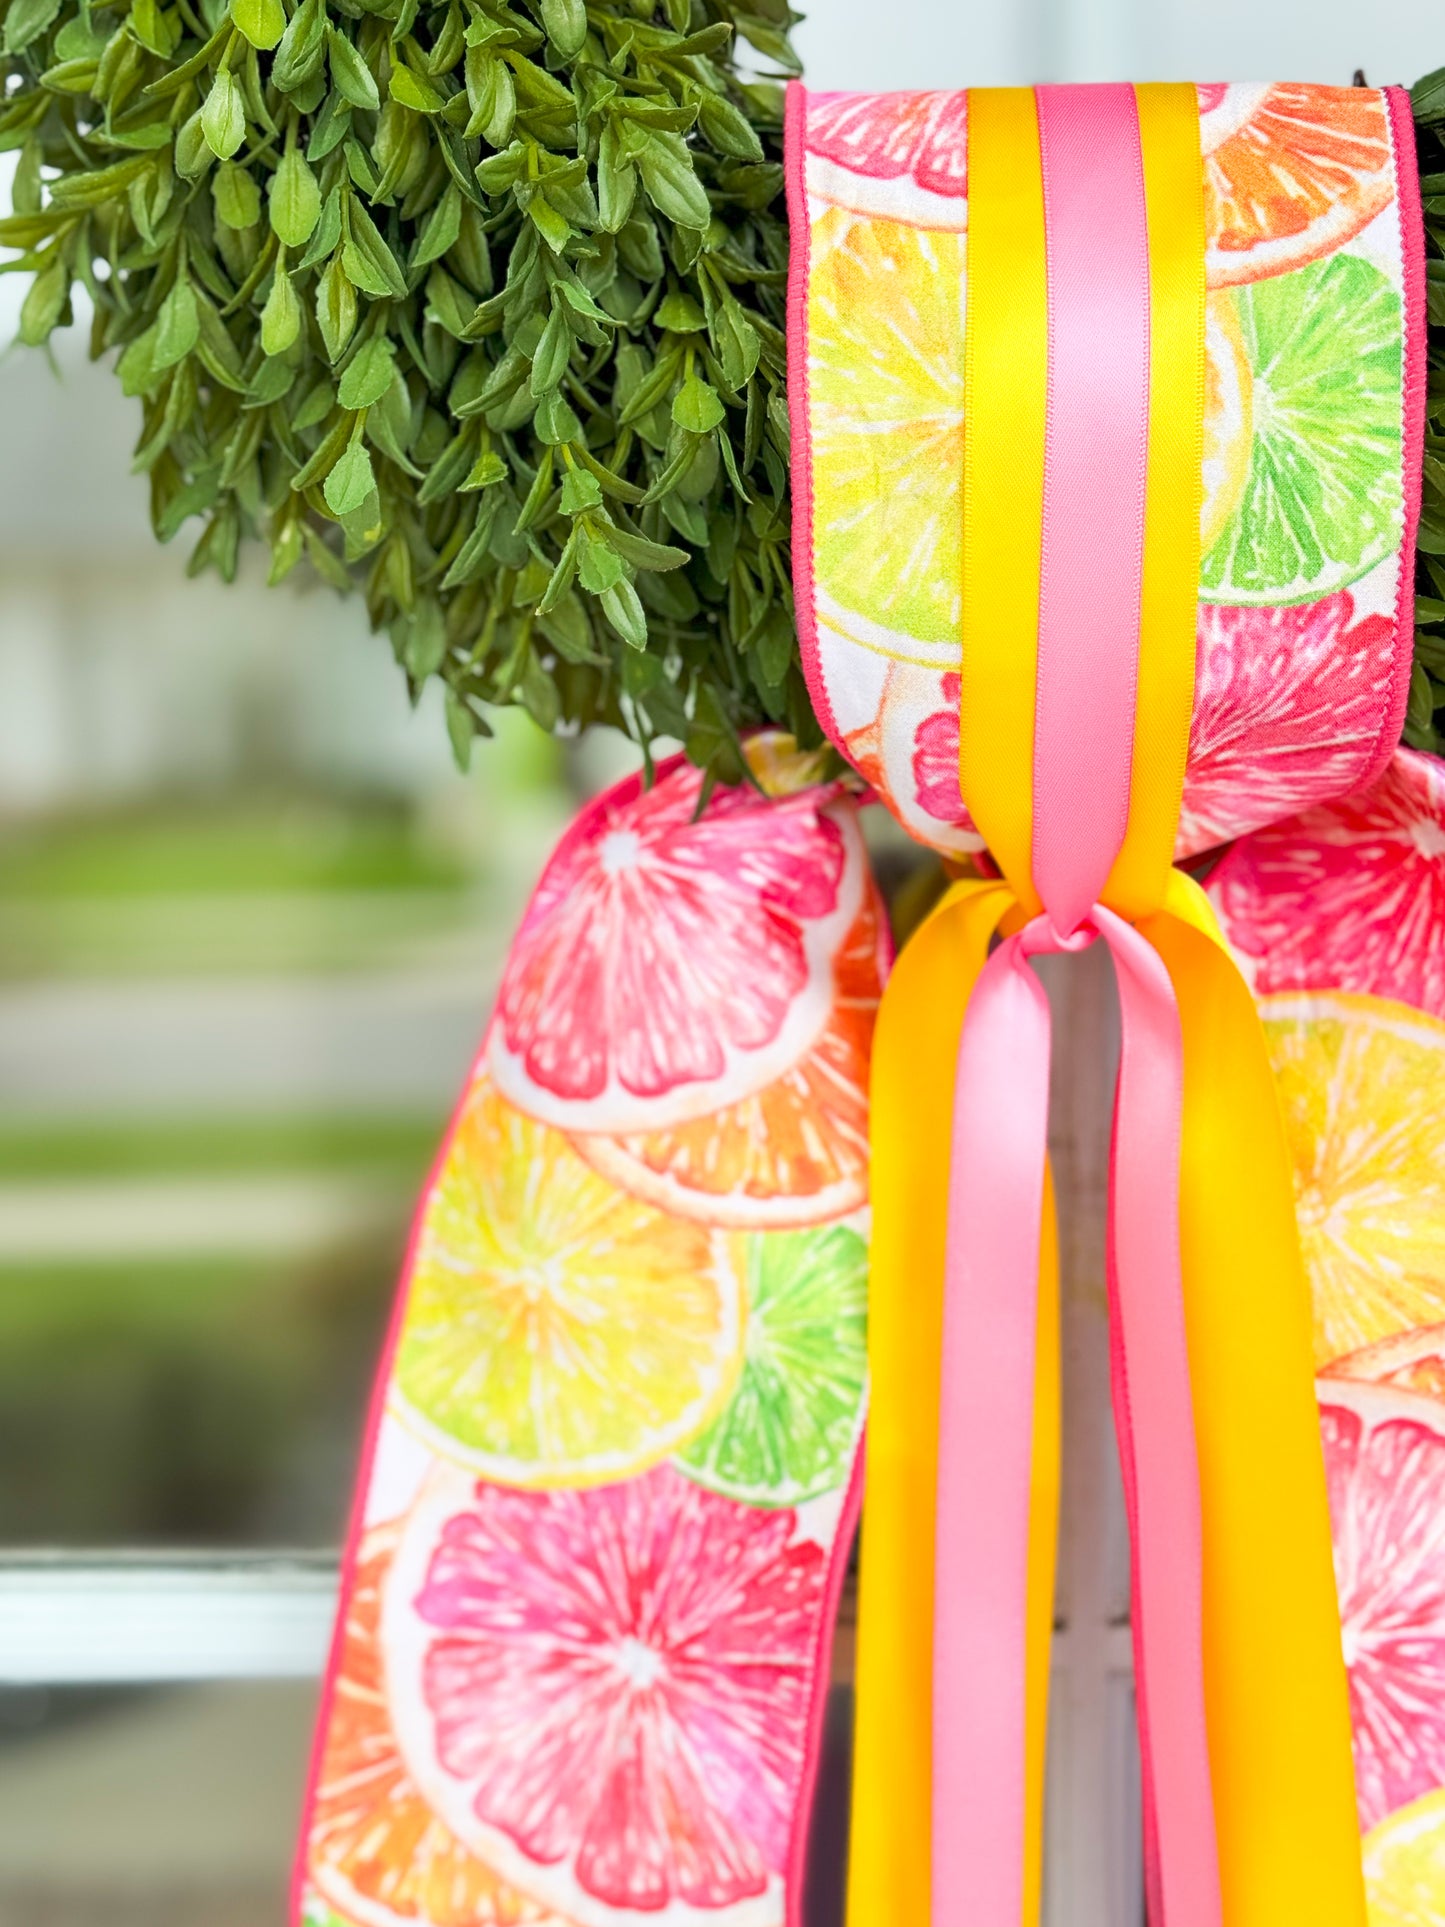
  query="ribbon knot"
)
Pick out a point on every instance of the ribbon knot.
point(986, 1433)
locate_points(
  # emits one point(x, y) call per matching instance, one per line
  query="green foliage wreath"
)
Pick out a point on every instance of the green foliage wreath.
point(476, 305)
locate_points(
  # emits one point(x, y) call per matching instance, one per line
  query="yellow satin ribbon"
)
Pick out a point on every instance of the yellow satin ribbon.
point(1276, 1696)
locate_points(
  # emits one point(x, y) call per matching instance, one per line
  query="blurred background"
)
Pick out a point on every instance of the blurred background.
point(250, 922)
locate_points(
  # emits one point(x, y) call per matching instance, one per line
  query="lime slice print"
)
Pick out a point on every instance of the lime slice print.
point(788, 1431)
point(1322, 501)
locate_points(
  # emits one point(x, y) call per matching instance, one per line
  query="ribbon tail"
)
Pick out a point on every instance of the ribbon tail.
point(1276, 1692)
point(1154, 1418)
point(980, 1791)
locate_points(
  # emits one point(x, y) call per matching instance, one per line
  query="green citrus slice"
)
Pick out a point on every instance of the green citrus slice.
point(788, 1430)
point(1322, 501)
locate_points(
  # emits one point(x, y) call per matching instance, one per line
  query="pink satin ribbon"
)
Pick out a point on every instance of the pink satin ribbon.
point(1096, 447)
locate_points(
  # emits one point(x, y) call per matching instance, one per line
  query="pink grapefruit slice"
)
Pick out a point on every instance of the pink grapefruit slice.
point(1412, 1360)
point(1287, 707)
point(1350, 895)
point(671, 963)
point(795, 1152)
point(1291, 172)
point(376, 1852)
point(903, 157)
point(1385, 1469)
point(605, 1693)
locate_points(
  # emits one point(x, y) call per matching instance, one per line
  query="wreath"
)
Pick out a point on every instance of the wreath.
point(479, 308)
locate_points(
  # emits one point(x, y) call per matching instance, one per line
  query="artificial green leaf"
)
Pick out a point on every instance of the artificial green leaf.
point(413, 91)
point(262, 21)
point(556, 420)
point(327, 234)
point(549, 359)
point(350, 481)
point(350, 75)
point(624, 611)
point(281, 316)
point(178, 325)
point(367, 375)
point(298, 58)
point(157, 30)
point(223, 118)
point(442, 227)
point(44, 301)
point(192, 152)
point(335, 309)
point(696, 406)
point(679, 313)
point(369, 261)
point(236, 195)
point(599, 566)
point(671, 183)
point(25, 21)
point(295, 199)
point(426, 640)
point(566, 24)
point(461, 727)
point(486, 471)
point(581, 490)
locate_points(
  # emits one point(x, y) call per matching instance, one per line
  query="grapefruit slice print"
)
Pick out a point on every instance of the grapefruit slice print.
point(901, 156)
point(670, 963)
point(795, 1152)
point(1350, 895)
point(377, 1853)
point(605, 1693)
point(1385, 1470)
point(1291, 172)
point(1286, 712)
point(1414, 1361)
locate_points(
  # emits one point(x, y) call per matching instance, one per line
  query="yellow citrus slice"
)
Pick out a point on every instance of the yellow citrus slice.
point(1360, 1082)
point(885, 393)
point(795, 1152)
point(1405, 1866)
point(1228, 417)
point(558, 1331)
point(375, 1850)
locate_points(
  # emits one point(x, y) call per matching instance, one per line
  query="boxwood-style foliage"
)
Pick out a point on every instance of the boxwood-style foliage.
point(477, 305)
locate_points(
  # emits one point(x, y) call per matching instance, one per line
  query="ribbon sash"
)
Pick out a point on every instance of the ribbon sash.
point(1083, 360)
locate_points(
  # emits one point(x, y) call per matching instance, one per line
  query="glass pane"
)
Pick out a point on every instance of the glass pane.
point(129, 1808)
point(250, 922)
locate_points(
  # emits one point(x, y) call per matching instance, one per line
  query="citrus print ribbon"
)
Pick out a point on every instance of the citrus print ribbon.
point(1081, 460)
